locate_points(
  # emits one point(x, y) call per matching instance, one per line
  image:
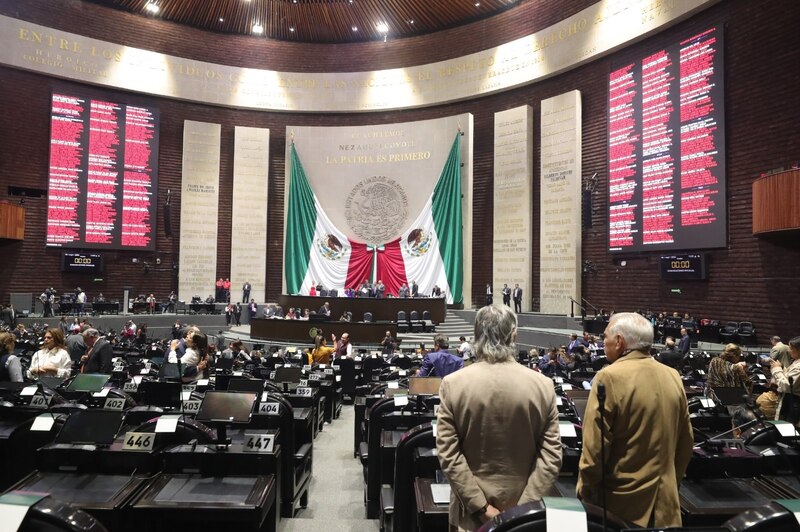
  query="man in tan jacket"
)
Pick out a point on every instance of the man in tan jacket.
point(497, 433)
point(648, 436)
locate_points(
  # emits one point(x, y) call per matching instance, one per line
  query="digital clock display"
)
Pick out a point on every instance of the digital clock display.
point(690, 267)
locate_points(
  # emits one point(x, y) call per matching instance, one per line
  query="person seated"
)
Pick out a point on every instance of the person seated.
point(787, 382)
point(440, 362)
point(100, 298)
point(195, 359)
point(551, 365)
point(346, 316)
point(10, 367)
point(727, 370)
point(210, 300)
point(236, 351)
point(290, 315)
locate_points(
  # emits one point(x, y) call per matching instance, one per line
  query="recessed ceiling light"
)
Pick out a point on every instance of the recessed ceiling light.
point(291, 30)
point(477, 4)
point(151, 7)
point(411, 21)
point(221, 19)
point(382, 27)
point(354, 28)
point(258, 29)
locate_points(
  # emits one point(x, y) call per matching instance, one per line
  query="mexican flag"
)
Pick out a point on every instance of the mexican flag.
point(430, 251)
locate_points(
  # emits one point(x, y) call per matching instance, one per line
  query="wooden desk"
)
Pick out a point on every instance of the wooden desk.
point(303, 331)
point(381, 309)
point(430, 517)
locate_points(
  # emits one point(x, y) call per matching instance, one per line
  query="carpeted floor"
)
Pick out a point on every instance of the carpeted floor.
point(336, 496)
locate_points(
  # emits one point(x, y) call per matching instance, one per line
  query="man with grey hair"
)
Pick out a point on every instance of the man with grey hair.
point(646, 430)
point(440, 362)
point(99, 353)
point(503, 407)
point(780, 352)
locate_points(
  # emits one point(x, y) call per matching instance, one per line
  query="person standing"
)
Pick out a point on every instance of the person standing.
point(99, 353)
point(440, 362)
point(246, 291)
point(237, 314)
point(151, 304)
point(506, 295)
point(52, 360)
point(414, 289)
point(387, 344)
point(342, 348)
point(647, 433)
point(80, 301)
point(489, 298)
point(788, 383)
point(685, 342)
point(252, 308)
point(380, 290)
point(226, 291)
point(218, 289)
point(517, 299)
point(780, 352)
point(514, 417)
point(229, 313)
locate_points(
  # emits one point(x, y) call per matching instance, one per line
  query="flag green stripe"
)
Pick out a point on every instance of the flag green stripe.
point(301, 221)
point(446, 211)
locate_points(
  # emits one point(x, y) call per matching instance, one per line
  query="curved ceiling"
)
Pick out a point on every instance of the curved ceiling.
point(318, 21)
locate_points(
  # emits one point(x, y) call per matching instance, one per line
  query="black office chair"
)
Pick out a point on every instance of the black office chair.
point(415, 323)
point(333, 293)
point(368, 317)
point(746, 333)
point(397, 503)
point(729, 333)
point(401, 361)
point(427, 322)
point(323, 293)
point(770, 518)
point(402, 321)
point(51, 515)
point(532, 517)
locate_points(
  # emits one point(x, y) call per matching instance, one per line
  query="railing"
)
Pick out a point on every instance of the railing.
point(572, 305)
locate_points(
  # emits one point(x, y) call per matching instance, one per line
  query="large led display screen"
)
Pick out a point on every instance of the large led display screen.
point(666, 149)
point(103, 174)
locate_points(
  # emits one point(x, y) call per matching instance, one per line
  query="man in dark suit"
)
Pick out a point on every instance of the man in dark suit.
point(246, 291)
point(440, 362)
point(489, 298)
point(506, 295)
point(685, 343)
point(414, 289)
point(670, 356)
point(99, 353)
point(517, 299)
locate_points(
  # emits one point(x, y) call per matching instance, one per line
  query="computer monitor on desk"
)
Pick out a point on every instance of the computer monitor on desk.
point(95, 427)
point(162, 394)
point(224, 408)
point(88, 382)
point(292, 375)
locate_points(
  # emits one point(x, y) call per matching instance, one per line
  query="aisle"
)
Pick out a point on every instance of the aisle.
point(336, 501)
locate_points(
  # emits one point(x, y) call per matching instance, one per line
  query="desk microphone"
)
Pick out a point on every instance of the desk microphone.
point(601, 398)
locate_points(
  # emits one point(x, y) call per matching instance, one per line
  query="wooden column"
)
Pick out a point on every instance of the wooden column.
point(12, 221)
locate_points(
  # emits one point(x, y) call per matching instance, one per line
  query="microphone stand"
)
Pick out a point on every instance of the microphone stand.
point(601, 398)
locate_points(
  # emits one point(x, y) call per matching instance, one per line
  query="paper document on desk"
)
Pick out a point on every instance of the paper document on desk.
point(441, 493)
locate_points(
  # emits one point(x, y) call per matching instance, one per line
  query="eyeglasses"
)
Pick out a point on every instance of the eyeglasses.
point(48, 337)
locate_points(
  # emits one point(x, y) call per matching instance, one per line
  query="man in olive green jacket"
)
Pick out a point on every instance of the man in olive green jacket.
point(648, 436)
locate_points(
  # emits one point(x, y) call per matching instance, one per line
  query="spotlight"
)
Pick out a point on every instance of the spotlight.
point(152, 7)
point(258, 29)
